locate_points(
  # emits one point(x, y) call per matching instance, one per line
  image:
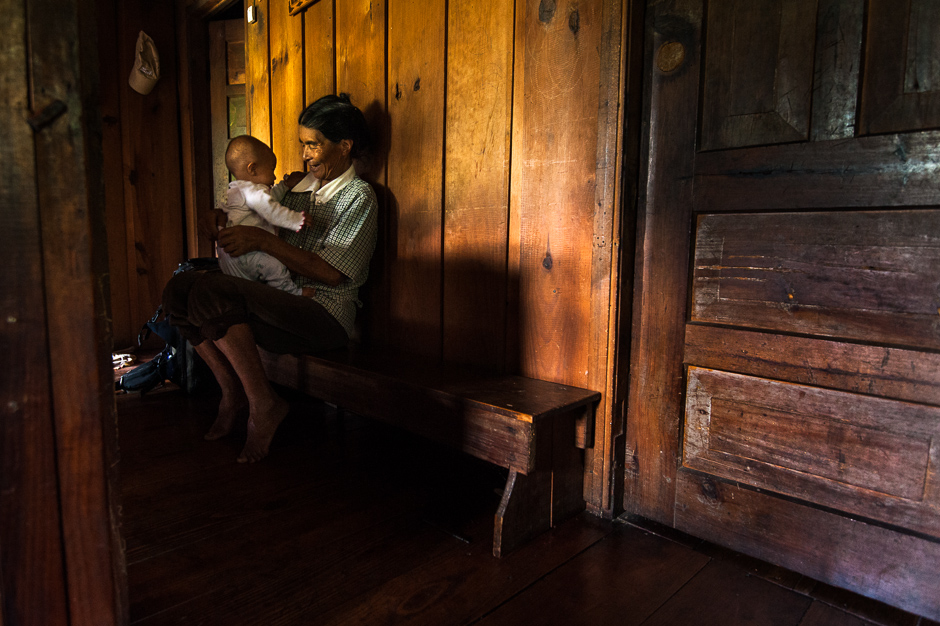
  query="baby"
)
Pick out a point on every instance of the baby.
point(250, 201)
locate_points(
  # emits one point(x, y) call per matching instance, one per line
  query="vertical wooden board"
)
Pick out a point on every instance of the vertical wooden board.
point(68, 152)
point(33, 584)
point(901, 85)
point(112, 76)
point(286, 37)
point(319, 53)
point(258, 70)
point(874, 561)
point(476, 175)
point(219, 106)
point(416, 86)
point(838, 59)
point(556, 162)
point(361, 72)
point(150, 127)
point(663, 226)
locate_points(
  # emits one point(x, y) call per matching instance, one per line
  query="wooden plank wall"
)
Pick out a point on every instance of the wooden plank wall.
point(486, 116)
point(143, 163)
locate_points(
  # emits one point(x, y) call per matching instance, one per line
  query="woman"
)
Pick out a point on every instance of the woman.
point(225, 317)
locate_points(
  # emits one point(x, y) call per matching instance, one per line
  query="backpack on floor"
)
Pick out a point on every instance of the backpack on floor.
point(178, 361)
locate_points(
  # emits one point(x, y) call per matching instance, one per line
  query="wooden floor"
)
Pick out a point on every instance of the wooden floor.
point(351, 522)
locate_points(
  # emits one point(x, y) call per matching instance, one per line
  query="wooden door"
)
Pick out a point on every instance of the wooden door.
point(785, 371)
point(226, 95)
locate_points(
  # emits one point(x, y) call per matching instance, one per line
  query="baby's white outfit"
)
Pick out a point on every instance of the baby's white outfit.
point(252, 204)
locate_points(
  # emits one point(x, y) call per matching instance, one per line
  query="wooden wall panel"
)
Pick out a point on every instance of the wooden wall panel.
point(74, 262)
point(853, 554)
point(823, 446)
point(476, 180)
point(259, 74)
point(153, 196)
point(286, 41)
point(901, 89)
point(361, 72)
point(555, 161)
point(33, 588)
point(319, 55)
point(869, 276)
point(416, 85)
point(758, 72)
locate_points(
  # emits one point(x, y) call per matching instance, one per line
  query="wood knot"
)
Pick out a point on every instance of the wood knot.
point(574, 21)
point(546, 11)
point(670, 56)
point(710, 491)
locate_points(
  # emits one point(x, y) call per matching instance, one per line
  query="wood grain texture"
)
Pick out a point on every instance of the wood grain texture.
point(901, 87)
point(258, 70)
point(476, 181)
point(870, 276)
point(756, 601)
point(839, 29)
point(70, 201)
point(33, 585)
point(888, 372)
point(555, 160)
point(195, 124)
point(124, 327)
point(218, 93)
point(416, 87)
point(153, 194)
point(319, 52)
point(624, 579)
point(663, 226)
point(286, 40)
point(361, 35)
point(828, 447)
point(868, 172)
point(758, 73)
point(876, 562)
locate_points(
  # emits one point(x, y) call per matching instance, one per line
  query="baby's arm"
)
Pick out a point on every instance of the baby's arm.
point(261, 202)
point(290, 181)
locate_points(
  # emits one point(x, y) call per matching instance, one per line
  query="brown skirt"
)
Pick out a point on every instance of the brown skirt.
point(203, 305)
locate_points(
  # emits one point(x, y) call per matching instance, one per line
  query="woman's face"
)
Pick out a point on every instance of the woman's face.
point(324, 158)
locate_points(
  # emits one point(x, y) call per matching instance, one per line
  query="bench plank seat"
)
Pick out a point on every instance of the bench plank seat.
point(533, 428)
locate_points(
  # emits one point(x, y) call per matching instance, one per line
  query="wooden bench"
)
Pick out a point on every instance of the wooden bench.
point(534, 428)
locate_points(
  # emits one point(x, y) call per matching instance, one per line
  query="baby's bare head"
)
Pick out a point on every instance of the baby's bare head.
point(246, 155)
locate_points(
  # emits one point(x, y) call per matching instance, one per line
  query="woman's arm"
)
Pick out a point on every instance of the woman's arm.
point(239, 240)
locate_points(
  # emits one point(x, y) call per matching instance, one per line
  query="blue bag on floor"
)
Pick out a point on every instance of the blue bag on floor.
point(178, 362)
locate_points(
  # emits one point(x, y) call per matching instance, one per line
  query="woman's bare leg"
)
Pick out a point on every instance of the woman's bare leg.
point(267, 409)
point(234, 402)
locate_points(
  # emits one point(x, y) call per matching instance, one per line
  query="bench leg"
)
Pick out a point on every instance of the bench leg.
point(524, 511)
point(533, 503)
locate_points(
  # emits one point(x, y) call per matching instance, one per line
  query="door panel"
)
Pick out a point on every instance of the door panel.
point(828, 447)
point(765, 97)
point(902, 80)
point(784, 392)
point(870, 276)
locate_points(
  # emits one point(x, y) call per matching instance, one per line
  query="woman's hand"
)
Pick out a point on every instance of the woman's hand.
point(239, 240)
point(291, 180)
point(210, 222)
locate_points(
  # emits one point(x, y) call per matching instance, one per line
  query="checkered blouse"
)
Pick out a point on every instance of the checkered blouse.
point(342, 231)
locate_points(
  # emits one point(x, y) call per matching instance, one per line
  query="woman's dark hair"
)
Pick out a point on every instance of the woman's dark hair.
point(337, 119)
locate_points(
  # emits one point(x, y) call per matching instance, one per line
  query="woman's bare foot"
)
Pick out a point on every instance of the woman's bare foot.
point(229, 411)
point(262, 425)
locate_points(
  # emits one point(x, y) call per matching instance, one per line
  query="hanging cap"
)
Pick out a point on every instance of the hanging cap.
point(146, 70)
